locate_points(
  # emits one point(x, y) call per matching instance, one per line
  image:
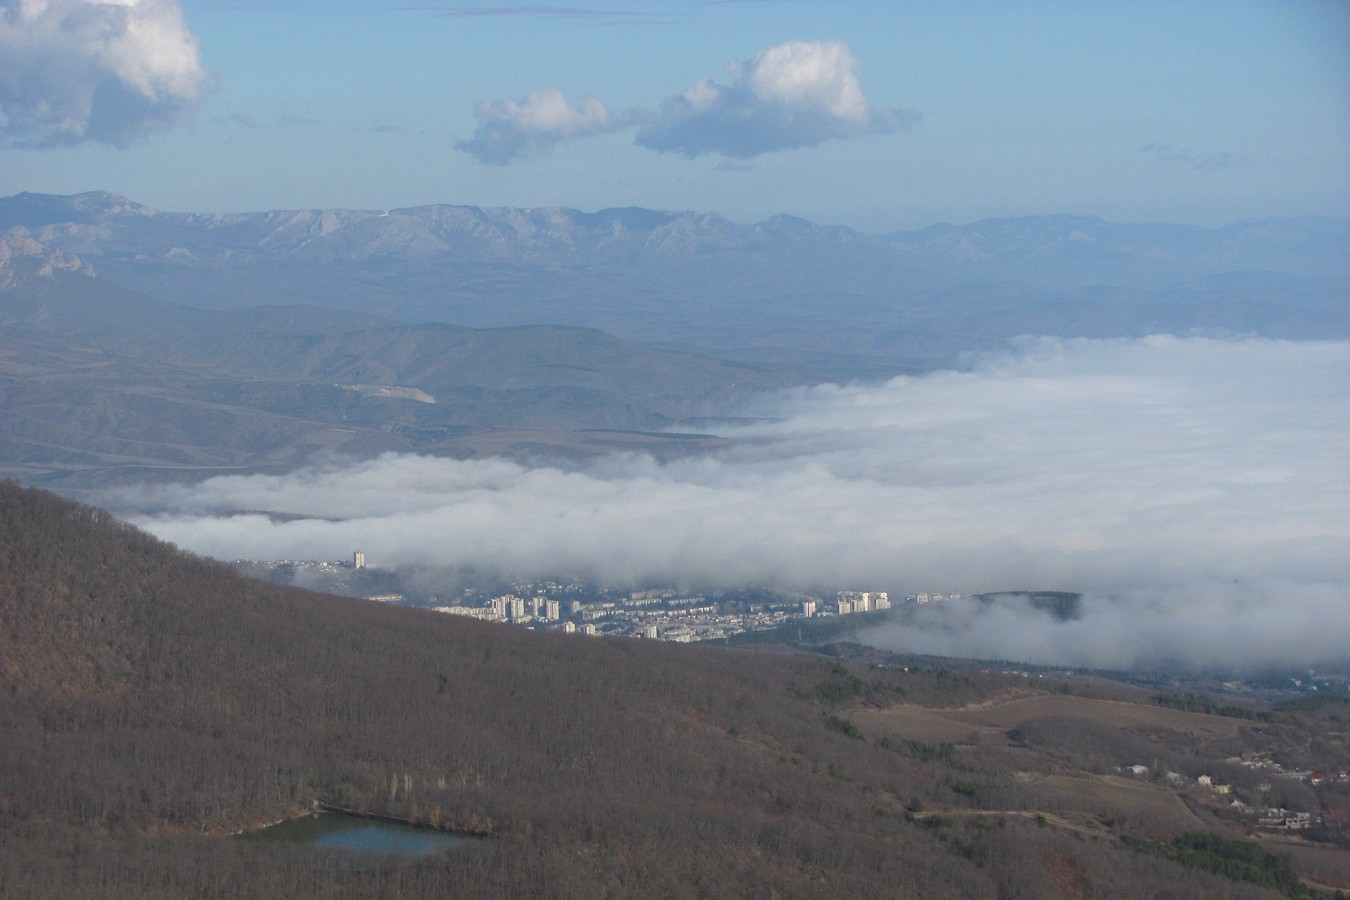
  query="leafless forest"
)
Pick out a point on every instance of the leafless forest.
point(155, 703)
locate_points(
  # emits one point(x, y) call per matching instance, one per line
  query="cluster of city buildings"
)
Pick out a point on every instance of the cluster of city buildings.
point(870, 601)
point(510, 608)
point(662, 613)
point(654, 614)
point(847, 602)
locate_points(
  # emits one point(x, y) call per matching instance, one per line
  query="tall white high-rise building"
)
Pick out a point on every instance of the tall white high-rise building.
point(359, 559)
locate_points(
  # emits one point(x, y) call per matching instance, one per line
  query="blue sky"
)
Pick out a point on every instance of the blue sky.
point(879, 116)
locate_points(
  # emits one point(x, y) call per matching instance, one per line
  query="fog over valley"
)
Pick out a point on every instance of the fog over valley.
point(719, 449)
point(1191, 488)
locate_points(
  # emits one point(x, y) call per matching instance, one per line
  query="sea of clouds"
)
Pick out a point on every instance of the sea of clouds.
point(1195, 490)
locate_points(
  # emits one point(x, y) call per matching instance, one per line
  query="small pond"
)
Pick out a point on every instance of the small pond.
point(340, 831)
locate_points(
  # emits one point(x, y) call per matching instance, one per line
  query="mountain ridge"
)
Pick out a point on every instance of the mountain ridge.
point(98, 382)
point(202, 342)
point(554, 233)
point(700, 279)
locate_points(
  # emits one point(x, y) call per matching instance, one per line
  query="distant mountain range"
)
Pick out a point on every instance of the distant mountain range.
point(148, 344)
point(908, 298)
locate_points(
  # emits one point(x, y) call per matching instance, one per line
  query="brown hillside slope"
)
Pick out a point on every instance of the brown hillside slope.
point(153, 703)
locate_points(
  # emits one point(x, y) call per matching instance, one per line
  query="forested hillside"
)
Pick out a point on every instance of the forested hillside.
point(154, 703)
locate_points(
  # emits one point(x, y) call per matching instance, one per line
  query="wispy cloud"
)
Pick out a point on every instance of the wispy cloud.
point(1196, 489)
point(1204, 162)
point(280, 120)
point(73, 71)
point(506, 10)
point(511, 129)
point(798, 94)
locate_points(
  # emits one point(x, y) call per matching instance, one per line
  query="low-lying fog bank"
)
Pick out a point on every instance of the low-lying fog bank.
point(1201, 485)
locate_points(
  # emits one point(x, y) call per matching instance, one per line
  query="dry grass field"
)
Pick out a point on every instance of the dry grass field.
point(991, 722)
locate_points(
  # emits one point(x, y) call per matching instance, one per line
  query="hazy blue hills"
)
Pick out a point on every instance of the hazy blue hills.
point(99, 383)
point(143, 344)
point(911, 298)
point(107, 225)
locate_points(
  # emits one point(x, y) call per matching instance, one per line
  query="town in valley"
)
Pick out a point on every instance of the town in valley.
point(657, 612)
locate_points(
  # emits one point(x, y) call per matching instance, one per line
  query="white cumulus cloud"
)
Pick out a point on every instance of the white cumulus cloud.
point(512, 129)
point(1195, 490)
point(78, 70)
point(797, 94)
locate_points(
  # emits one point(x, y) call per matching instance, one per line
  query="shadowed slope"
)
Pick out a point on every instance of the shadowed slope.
point(155, 702)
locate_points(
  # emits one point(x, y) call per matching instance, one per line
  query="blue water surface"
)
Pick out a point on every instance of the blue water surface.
point(339, 831)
